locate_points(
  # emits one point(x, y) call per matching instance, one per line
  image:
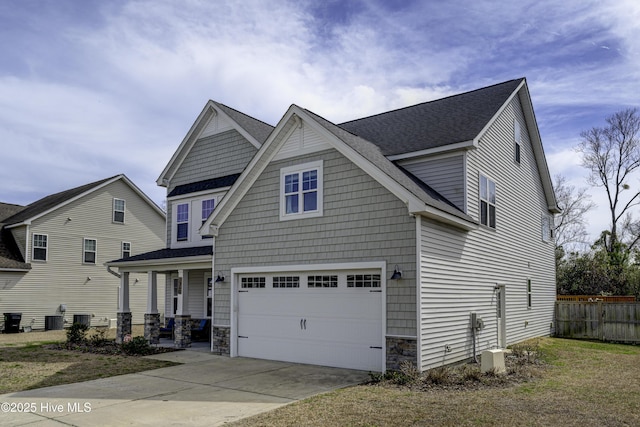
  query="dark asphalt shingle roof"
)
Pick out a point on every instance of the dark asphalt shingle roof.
point(256, 128)
point(168, 253)
point(8, 209)
point(209, 184)
point(10, 256)
point(373, 154)
point(51, 201)
point(445, 121)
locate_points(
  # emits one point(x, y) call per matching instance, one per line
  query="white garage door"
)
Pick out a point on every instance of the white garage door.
point(321, 317)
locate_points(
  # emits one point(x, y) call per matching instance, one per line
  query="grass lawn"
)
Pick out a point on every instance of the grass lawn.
point(584, 384)
point(27, 365)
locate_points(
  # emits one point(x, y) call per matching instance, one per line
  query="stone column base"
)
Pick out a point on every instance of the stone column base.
point(152, 327)
point(123, 328)
point(220, 342)
point(182, 330)
point(401, 350)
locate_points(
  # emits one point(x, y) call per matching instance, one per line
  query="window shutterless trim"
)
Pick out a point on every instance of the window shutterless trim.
point(119, 211)
point(40, 247)
point(85, 251)
point(299, 185)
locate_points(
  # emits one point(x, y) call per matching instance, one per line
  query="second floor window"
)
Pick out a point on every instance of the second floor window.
point(118, 210)
point(39, 247)
point(207, 208)
point(90, 251)
point(487, 202)
point(126, 249)
point(301, 191)
point(182, 222)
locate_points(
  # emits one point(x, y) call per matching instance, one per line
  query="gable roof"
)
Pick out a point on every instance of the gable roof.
point(54, 201)
point(454, 119)
point(10, 256)
point(9, 209)
point(254, 130)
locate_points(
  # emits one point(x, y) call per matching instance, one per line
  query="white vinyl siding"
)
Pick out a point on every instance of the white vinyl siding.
point(461, 270)
point(63, 278)
point(444, 174)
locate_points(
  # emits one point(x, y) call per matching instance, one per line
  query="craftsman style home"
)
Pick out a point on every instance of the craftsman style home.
point(420, 234)
point(52, 253)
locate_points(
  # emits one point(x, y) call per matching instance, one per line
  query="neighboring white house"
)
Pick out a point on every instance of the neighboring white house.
point(52, 252)
point(366, 243)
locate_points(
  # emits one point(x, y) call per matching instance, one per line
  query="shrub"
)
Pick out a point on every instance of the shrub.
point(137, 346)
point(440, 376)
point(77, 334)
point(99, 338)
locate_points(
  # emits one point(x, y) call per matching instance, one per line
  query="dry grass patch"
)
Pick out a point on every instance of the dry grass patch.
point(581, 384)
point(26, 365)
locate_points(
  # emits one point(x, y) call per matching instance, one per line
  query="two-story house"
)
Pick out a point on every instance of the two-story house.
point(371, 242)
point(52, 252)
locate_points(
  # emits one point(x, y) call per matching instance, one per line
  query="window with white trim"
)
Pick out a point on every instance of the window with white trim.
point(40, 242)
point(182, 222)
point(547, 228)
point(301, 191)
point(286, 282)
point(90, 251)
point(118, 210)
point(207, 207)
point(253, 282)
point(322, 281)
point(363, 280)
point(517, 137)
point(487, 202)
point(126, 249)
point(529, 297)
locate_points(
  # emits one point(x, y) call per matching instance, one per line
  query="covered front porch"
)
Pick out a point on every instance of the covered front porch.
point(184, 275)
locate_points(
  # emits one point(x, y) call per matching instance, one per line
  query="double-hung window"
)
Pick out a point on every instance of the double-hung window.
point(207, 207)
point(301, 191)
point(39, 247)
point(182, 222)
point(487, 202)
point(118, 211)
point(90, 251)
point(126, 249)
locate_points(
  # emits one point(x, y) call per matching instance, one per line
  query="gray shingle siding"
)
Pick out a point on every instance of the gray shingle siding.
point(362, 222)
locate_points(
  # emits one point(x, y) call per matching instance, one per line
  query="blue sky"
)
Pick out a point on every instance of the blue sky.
point(91, 89)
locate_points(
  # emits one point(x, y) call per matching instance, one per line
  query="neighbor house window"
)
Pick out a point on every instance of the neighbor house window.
point(528, 293)
point(39, 247)
point(90, 251)
point(487, 202)
point(118, 210)
point(517, 137)
point(182, 222)
point(207, 208)
point(301, 191)
point(126, 249)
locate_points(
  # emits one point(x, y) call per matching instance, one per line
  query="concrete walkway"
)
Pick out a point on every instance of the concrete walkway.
point(206, 390)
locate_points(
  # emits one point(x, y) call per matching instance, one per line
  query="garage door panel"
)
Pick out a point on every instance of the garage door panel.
point(332, 326)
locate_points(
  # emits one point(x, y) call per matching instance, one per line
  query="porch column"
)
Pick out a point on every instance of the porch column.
point(152, 317)
point(124, 312)
point(183, 318)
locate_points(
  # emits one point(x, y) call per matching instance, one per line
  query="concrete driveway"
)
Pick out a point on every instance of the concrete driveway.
point(206, 390)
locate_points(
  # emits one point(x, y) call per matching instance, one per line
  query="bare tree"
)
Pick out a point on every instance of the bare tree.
point(570, 225)
point(612, 154)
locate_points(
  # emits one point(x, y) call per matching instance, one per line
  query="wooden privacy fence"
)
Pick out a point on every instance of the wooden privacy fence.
point(604, 321)
point(595, 298)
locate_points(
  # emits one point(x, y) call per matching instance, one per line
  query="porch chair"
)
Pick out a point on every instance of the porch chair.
point(200, 331)
point(167, 331)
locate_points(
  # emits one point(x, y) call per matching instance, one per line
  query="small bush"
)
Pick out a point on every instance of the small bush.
point(99, 338)
point(439, 376)
point(77, 334)
point(138, 346)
